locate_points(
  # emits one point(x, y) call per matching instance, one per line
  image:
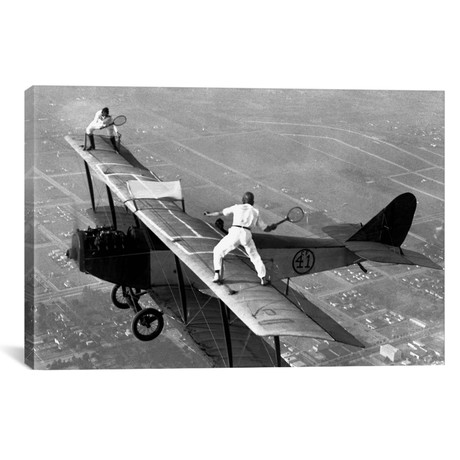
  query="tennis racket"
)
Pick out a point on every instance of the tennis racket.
point(294, 215)
point(117, 121)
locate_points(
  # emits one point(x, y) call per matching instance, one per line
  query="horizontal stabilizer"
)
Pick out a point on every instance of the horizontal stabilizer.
point(378, 252)
point(420, 259)
point(341, 232)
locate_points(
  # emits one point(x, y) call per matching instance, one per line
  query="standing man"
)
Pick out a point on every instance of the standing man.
point(102, 120)
point(245, 218)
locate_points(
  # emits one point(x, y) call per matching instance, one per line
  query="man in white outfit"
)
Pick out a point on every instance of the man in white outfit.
point(102, 119)
point(245, 218)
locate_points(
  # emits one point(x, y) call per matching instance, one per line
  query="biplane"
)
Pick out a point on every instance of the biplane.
point(167, 243)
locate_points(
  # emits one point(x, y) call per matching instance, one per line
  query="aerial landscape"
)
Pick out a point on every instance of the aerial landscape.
point(335, 108)
point(340, 155)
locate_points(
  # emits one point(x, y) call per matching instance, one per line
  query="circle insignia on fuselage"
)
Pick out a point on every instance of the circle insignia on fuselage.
point(303, 261)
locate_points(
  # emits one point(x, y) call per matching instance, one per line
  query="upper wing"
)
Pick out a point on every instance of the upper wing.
point(264, 309)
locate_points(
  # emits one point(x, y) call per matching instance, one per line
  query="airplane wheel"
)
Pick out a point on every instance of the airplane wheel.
point(148, 324)
point(119, 297)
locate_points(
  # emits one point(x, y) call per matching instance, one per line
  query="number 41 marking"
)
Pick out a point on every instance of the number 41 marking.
point(303, 261)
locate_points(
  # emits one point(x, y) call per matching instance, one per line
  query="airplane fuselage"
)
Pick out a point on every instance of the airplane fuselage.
point(140, 260)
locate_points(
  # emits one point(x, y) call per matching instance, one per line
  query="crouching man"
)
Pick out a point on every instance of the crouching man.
point(102, 120)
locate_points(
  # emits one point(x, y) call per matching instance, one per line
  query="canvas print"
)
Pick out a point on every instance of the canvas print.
point(224, 227)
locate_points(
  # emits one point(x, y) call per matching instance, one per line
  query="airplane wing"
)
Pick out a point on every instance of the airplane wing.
point(264, 309)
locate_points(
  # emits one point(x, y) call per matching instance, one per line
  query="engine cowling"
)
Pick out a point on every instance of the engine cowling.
point(112, 255)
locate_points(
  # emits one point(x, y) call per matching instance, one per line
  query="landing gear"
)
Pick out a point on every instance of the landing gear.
point(119, 297)
point(147, 323)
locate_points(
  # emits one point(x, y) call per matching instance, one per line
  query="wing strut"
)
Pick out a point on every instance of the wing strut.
point(182, 294)
point(286, 293)
point(278, 350)
point(228, 339)
point(112, 207)
point(90, 186)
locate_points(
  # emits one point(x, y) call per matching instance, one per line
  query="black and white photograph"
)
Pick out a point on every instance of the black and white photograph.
point(229, 230)
point(327, 249)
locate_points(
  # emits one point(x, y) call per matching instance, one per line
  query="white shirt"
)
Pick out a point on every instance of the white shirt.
point(245, 215)
point(99, 123)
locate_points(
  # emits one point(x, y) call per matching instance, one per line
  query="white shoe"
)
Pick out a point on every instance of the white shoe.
point(216, 278)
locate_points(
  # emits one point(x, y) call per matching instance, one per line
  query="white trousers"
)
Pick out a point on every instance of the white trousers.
point(92, 127)
point(110, 130)
point(238, 236)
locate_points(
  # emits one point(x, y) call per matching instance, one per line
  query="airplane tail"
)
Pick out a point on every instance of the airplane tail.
point(391, 225)
point(381, 238)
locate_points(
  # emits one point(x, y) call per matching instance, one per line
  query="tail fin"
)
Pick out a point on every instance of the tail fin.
point(381, 238)
point(391, 225)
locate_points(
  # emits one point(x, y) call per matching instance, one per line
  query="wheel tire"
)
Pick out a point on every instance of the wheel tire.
point(118, 298)
point(147, 324)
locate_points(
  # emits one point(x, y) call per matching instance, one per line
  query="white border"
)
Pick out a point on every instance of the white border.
point(320, 413)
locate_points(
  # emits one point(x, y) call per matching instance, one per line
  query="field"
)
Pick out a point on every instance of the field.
point(341, 155)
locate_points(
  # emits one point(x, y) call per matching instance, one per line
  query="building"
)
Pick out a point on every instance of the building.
point(418, 323)
point(419, 354)
point(392, 353)
point(319, 346)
